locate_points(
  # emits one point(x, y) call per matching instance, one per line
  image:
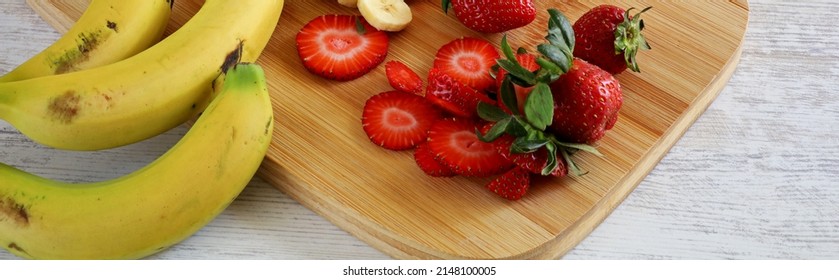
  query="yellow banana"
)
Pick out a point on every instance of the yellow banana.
point(146, 94)
point(154, 207)
point(108, 31)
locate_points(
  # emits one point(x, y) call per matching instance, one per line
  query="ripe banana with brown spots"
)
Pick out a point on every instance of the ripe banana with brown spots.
point(148, 93)
point(108, 31)
point(152, 208)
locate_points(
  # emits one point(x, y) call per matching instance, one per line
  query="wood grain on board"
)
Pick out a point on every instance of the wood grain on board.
point(322, 158)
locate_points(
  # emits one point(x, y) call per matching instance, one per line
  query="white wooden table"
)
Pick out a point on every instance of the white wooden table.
point(756, 177)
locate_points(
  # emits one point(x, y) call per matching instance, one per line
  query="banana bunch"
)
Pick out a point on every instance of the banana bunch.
point(205, 67)
point(385, 15)
point(146, 94)
point(108, 31)
point(155, 207)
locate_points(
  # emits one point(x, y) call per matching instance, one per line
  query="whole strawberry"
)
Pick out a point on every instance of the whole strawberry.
point(607, 36)
point(569, 104)
point(586, 103)
point(492, 16)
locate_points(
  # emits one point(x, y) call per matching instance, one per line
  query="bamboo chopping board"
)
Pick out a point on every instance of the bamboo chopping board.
point(322, 158)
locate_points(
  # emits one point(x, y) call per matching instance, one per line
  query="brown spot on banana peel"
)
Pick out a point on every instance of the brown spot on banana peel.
point(86, 43)
point(14, 247)
point(112, 26)
point(65, 108)
point(233, 58)
point(14, 211)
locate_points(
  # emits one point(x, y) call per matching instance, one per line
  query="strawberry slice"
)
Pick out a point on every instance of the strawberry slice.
point(532, 162)
point(398, 120)
point(456, 146)
point(425, 160)
point(512, 184)
point(403, 78)
point(453, 96)
point(334, 47)
point(468, 60)
point(528, 61)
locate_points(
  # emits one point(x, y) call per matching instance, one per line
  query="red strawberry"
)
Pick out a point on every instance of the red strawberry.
point(512, 184)
point(468, 60)
point(457, 147)
point(528, 61)
point(332, 46)
point(425, 160)
point(398, 120)
point(609, 38)
point(586, 103)
point(533, 162)
point(453, 96)
point(493, 16)
point(403, 78)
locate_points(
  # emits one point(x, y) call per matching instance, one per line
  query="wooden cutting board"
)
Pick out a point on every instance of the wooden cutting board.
point(322, 158)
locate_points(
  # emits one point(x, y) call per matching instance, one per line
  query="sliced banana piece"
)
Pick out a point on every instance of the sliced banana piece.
point(386, 15)
point(348, 3)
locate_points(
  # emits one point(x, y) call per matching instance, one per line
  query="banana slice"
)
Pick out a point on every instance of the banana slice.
point(386, 15)
point(348, 3)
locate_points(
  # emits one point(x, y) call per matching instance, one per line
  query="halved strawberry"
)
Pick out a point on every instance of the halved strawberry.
point(453, 96)
point(403, 78)
point(528, 61)
point(334, 47)
point(468, 60)
point(532, 162)
point(456, 146)
point(512, 184)
point(398, 120)
point(426, 161)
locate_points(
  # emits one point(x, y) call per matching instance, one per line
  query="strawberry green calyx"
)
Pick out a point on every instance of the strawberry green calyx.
point(359, 26)
point(629, 39)
point(528, 125)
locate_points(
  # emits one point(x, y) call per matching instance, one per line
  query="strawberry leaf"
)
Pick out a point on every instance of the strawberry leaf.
point(558, 55)
point(539, 107)
point(446, 5)
point(551, 69)
point(496, 131)
point(508, 95)
point(560, 46)
point(493, 71)
point(512, 65)
point(491, 113)
point(581, 147)
point(572, 167)
point(551, 163)
point(507, 50)
point(560, 31)
point(523, 145)
point(520, 74)
point(517, 127)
